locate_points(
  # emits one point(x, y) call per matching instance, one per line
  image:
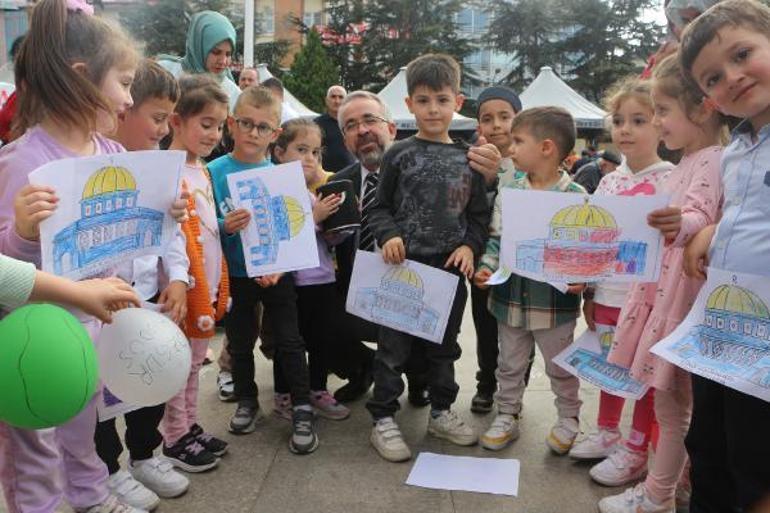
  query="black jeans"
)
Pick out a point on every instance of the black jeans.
point(729, 456)
point(142, 436)
point(393, 354)
point(280, 306)
point(486, 341)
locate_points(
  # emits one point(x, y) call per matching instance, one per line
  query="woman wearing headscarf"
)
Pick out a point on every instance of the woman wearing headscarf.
point(209, 49)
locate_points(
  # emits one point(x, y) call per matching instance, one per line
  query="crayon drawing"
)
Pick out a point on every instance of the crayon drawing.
point(117, 214)
point(412, 297)
point(726, 336)
point(558, 237)
point(586, 358)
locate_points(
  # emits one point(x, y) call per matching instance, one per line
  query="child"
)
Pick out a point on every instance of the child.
point(653, 310)
point(317, 300)
point(529, 311)
point(496, 108)
point(77, 71)
point(197, 125)
point(254, 126)
point(148, 478)
point(631, 110)
point(431, 207)
point(726, 52)
point(21, 283)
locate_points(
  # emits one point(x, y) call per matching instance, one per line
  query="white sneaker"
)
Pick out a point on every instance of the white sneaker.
point(622, 467)
point(503, 431)
point(159, 476)
point(597, 445)
point(563, 435)
point(387, 439)
point(131, 492)
point(633, 500)
point(451, 427)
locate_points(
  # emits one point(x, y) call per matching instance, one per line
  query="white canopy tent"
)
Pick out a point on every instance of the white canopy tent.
point(289, 98)
point(550, 90)
point(393, 95)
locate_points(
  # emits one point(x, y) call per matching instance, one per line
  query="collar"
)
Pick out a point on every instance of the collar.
point(560, 186)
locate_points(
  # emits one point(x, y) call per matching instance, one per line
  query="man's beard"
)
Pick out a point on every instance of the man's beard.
point(373, 158)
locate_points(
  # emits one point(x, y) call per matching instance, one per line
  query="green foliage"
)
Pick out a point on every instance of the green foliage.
point(312, 73)
point(272, 54)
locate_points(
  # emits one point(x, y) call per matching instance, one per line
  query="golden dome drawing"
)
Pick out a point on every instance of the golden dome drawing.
point(606, 339)
point(403, 275)
point(583, 216)
point(295, 214)
point(107, 180)
point(731, 298)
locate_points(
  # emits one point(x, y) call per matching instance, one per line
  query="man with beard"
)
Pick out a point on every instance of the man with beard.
point(368, 130)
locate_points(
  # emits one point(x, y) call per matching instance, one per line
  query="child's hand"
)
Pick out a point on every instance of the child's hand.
point(696, 253)
point(101, 297)
point(576, 288)
point(588, 312)
point(668, 220)
point(485, 159)
point(237, 220)
point(462, 258)
point(481, 278)
point(326, 206)
point(393, 251)
point(178, 208)
point(268, 280)
point(173, 300)
point(32, 205)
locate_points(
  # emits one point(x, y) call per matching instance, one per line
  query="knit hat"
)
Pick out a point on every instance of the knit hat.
point(499, 93)
point(611, 157)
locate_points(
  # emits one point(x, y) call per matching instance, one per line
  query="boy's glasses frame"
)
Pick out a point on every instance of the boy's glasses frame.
point(247, 125)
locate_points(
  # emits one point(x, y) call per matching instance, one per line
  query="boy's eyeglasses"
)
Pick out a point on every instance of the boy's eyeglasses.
point(368, 122)
point(247, 125)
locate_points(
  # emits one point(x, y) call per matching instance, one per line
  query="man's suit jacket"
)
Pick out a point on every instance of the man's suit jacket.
point(346, 250)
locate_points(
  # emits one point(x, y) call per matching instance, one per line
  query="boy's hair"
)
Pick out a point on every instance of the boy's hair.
point(259, 97)
point(291, 130)
point(553, 123)
point(57, 39)
point(434, 71)
point(196, 93)
point(273, 84)
point(153, 81)
point(728, 13)
point(626, 88)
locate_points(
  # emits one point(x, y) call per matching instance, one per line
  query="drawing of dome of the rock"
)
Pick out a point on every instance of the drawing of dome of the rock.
point(605, 341)
point(585, 216)
point(731, 298)
point(295, 215)
point(108, 180)
point(403, 281)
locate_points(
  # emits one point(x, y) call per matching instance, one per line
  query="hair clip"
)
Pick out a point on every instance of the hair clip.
point(80, 5)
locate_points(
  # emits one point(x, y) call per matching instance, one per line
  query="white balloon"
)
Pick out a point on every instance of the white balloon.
point(144, 358)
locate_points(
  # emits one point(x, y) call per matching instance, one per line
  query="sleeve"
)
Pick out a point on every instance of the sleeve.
point(491, 258)
point(176, 263)
point(381, 220)
point(477, 215)
point(703, 200)
point(17, 279)
point(13, 176)
point(220, 190)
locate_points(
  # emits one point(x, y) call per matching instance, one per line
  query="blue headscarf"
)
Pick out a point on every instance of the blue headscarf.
point(207, 30)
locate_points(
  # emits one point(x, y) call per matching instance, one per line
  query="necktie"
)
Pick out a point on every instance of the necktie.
point(366, 237)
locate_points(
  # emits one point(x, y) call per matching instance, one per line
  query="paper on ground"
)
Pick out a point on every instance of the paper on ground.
point(465, 473)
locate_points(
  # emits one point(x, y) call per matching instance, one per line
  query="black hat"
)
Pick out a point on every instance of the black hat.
point(499, 93)
point(611, 157)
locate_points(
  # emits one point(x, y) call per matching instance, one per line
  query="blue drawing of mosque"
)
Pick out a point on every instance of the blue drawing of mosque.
point(595, 368)
point(111, 223)
point(399, 300)
point(734, 338)
point(277, 218)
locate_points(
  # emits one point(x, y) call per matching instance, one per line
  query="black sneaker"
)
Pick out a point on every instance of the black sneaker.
point(212, 444)
point(303, 437)
point(188, 454)
point(482, 403)
point(246, 418)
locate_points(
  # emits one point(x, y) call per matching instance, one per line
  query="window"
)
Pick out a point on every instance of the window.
point(747, 327)
point(98, 208)
point(265, 19)
point(720, 323)
point(464, 20)
point(88, 210)
point(312, 19)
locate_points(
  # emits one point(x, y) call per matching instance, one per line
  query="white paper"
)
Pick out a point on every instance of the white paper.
point(464, 473)
point(726, 335)
point(411, 297)
point(113, 208)
point(109, 406)
point(499, 277)
point(586, 358)
point(573, 238)
point(281, 234)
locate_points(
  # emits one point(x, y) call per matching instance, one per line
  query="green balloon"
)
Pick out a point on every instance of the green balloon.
point(48, 367)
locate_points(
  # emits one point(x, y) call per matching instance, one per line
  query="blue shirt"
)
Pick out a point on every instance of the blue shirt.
point(231, 244)
point(742, 240)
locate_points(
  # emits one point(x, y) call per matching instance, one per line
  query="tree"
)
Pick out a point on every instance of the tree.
point(344, 34)
point(312, 73)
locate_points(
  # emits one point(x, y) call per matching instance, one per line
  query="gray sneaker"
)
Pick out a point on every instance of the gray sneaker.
point(449, 426)
point(303, 437)
point(246, 418)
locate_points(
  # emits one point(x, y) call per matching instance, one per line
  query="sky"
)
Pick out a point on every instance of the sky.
point(656, 15)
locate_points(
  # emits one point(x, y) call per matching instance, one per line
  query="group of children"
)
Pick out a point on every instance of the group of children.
point(85, 92)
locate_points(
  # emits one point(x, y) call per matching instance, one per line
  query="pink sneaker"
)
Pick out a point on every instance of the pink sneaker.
point(327, 406)
point(282, 406)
